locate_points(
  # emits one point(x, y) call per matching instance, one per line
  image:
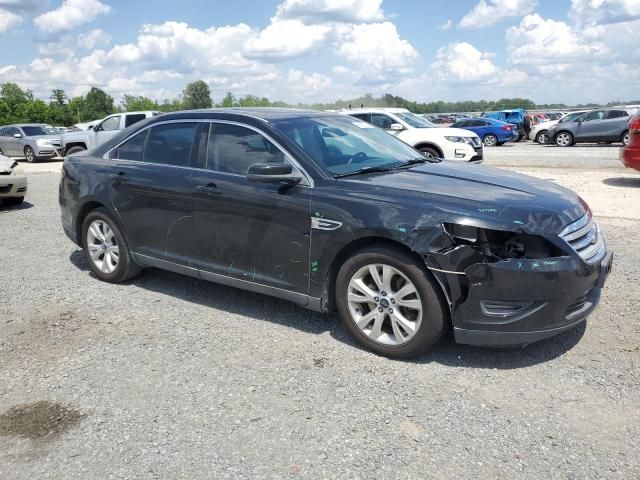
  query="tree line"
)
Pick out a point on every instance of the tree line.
point(18, 105)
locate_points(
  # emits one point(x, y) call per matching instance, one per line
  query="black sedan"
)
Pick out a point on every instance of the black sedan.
point(331, 213)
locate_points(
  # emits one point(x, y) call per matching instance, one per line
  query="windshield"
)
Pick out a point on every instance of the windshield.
point(34, 130)
point(414, 120)
point(342, 144)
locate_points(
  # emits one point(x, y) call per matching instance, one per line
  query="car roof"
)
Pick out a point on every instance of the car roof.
point(267, 114)
point(30, 125)
point(376, 110)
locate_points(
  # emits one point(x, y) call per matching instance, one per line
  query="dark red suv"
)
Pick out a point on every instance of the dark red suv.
point(630, 154)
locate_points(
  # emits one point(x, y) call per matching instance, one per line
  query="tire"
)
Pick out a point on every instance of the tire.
point(430, 152)
point(74, 150)
point(13, 200)
point(490, 140)
point(405, 271)
point(625, 138)
point(564, 139)
point(541, 137)
point(103, 266)
point(30, 155)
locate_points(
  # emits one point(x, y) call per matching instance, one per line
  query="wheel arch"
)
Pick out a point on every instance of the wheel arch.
point(420, 145)
point(358, 244)
point(83, 211)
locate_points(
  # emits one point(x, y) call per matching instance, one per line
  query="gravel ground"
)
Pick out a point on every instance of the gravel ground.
point(172, 377)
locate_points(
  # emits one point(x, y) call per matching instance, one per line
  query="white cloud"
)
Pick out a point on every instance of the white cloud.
point(376, 50)
point(94, 38)
point(463, 63)
point(489, 12)
point(448, 25)
point(284, 39)
point(8, 20)
point(548, 44)
point(585, 12)
point(70, 14)
point(327, 11)
point(6, 69)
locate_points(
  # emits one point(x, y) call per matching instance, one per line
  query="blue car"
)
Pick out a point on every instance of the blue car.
point(492, 132)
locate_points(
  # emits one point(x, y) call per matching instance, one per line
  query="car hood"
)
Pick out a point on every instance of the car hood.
point(44, 137)
point(493, 195)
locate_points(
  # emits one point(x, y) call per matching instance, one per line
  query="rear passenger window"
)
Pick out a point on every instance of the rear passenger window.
point(135, 118)
point(617, 114)
point(170, 144)
point(233, 148)
point(132, 148)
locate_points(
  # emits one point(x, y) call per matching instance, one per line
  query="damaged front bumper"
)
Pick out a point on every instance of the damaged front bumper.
point(523, 301)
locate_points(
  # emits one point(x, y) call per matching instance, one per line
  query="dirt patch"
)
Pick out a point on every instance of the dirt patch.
point(38, 421)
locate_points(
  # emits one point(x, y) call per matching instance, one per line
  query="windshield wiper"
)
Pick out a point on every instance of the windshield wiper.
point(413, 161)
point(362, 171)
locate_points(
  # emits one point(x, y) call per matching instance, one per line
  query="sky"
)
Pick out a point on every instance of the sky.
point(564, 51)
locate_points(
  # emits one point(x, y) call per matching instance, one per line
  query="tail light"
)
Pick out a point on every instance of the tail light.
point(634, 124)
point(506, 128)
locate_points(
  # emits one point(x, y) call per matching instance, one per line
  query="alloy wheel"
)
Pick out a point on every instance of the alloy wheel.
point(103, 246)
point(29, 155)
point(384, 304)
point(563, 140)
point(542, 138)
point(625, 139)
point(490, 141)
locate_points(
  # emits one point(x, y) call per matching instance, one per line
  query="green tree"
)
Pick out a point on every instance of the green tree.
point(228, 100)
point(76, 109)
point(58, 97)
point(132, 103)
point(97, 104)
point(197, 95)
point(15, 99)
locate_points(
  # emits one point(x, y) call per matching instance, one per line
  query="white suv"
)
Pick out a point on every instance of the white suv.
point(421, 134)
point(102, 131)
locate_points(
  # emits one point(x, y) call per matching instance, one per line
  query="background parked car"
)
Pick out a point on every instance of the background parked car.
point(630, 154)
point(34, 141)
point(601, 125)
point(540, 131)
point(515, 116)
point(13, 185)
point(432, 141)
point(102, 131)
point(492, 132)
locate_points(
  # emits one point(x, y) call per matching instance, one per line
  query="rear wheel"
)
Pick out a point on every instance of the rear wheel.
point(564, 139)
point(625, 138)
point(429, 152)
point(490, 140)
point(389, 302)
point(29, 154)
point(106, 249)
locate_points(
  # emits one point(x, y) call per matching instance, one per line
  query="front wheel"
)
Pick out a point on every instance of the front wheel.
point(429, 152)
point(389, 302)
point(490, 140)
point(542, 137)
point(29, 154)
point(564, 139)
point(106, 249)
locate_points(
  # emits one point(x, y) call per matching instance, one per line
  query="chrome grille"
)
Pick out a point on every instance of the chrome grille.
point(585, 238)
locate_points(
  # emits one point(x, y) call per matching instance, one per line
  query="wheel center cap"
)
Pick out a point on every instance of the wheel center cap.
point(384, 303)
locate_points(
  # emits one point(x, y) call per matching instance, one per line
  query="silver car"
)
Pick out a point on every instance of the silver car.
point(603, 125)
point(34, 141)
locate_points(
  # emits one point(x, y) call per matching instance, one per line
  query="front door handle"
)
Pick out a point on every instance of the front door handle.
point(120, 177)
point(209, 189)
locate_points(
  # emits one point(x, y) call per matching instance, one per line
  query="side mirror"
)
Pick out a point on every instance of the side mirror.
point(17, 135)
point(272, 173)
point(396, 127)
point(97, 128)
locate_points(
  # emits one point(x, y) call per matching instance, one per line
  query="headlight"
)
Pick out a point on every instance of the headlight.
point(43, 143)
point(459, 139)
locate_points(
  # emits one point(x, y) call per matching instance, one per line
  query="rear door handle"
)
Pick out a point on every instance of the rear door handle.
point(209, 189)
point(120, 177)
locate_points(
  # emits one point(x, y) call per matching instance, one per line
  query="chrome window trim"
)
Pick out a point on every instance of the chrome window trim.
point(293, 161)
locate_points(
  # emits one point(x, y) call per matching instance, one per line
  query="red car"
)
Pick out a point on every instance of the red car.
point(630, 154)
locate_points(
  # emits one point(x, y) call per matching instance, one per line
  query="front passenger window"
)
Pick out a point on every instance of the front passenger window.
point(233, 148)
point(111, 123)
point(593, 116)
